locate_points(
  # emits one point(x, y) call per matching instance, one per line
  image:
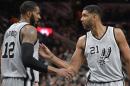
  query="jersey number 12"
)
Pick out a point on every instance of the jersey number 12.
point(9, 47)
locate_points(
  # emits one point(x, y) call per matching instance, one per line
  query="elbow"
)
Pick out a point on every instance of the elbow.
point(27, 50)
point(25, 62)
point(127, 61)
point(127, 66)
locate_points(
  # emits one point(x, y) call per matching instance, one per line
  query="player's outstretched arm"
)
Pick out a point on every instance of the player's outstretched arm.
point(78, 57)
point(76, 61)
point(124, 48)
point(28, 37)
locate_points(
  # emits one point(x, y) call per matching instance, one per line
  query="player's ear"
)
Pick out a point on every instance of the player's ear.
point(95, 17)
point(29, 14)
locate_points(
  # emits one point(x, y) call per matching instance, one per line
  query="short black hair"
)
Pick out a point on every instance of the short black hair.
point(94, 9)
point(27, 6)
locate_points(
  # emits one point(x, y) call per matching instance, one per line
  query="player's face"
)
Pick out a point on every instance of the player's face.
point(35, 16)
point(86, 19)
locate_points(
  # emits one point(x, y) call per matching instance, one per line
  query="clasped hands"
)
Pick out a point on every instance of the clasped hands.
point(68, 73)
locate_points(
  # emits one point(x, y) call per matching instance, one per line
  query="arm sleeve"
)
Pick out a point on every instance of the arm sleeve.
point(28, 60)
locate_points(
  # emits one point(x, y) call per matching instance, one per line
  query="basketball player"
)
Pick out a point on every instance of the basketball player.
point(101, 47)
point(20, 50)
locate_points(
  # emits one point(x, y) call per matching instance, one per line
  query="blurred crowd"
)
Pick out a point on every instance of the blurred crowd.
point(64, 18)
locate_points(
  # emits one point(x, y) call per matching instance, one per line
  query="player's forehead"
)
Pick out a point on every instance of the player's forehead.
point(37, 9)
point(85, 12)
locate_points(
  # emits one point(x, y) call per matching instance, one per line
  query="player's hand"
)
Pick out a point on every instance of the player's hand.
point(64, 73)
point(44, 52)
point(71, 71)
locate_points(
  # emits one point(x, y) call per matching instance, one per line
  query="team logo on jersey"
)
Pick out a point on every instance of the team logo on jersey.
point(12, 33)
point(104, 56)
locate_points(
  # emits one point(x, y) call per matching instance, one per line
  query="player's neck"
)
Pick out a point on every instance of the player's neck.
point(98, 29)
point(24, 19)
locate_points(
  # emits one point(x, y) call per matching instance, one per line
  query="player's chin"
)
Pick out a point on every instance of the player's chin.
point(87, 29)
point(84, 26)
